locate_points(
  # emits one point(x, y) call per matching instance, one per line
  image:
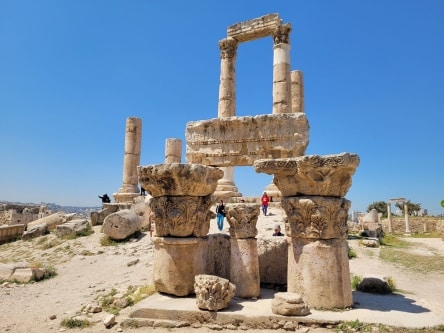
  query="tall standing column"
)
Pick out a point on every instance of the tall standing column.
point(389, 216)
point(406, 217)
point(131, 160)
point(226, 188)
point(297, 91)
point(281, 70)
point(173, 151)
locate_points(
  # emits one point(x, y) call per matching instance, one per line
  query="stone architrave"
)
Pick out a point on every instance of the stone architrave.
point(133, 134)
point(179, 179)
point(242, 218)
point(238, 141)
point(182, 216)
point(173, 150)
point(255, 28)
point(176, 262)
point(328, 175)
point(244, 267)
point(213, 292)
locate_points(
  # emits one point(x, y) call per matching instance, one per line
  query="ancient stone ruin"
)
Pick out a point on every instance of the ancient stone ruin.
point(312, 188)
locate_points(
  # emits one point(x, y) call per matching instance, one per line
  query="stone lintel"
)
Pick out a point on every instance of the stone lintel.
point(255, 28)
point(240, 141)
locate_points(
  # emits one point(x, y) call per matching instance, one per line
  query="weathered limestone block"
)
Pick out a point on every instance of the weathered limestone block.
point(237, 141)
point(371, 224)
point(182, 216)
point(35, 231)
point(289, 304)
point(52, 221)
point(328, 175)
point(374, 284)
point(242, 219)
point(218, 255)
point(244, 270)
point(176, 262)
point(97, 218)
point(121, 224)
point(11, 232)
point(213, 292)
point(73, 227)
point(255, 28)
point(6, 270)
point(273, 258)
point(173, 150)
point(26, 275)
point(179, 179)
point(320, 273)
point(316, 217)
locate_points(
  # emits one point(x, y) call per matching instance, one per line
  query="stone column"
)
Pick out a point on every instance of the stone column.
point(131, 160)
point(389, 217)
point(281, 70)
point(406, 217)
point(227, 108)
point(173, 151)
point(313, 189)
point(227, 85)
point(297, 91)
point(244, 261)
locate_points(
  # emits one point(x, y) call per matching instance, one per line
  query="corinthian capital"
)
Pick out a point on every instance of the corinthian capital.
point(228, 47)
point(281, 34)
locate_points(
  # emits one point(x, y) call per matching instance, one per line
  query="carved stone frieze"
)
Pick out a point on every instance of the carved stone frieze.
point(242, 219)
point(179, 179)
point(316, 217)
point(183, 216)
point(255, 28)
point(327, 175)
point(237, 141)
point(213, 292)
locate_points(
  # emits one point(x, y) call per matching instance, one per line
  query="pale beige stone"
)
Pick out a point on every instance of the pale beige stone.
point(11, 232)
point(121, 224)
point(297, 91)
point(316, 217)
point(52, 221)
point(238, 141)
point(327, 175)
point(173, 150)
point(176, 262)
point(181, 216)
point(213, 292)
point(320, 273)
point(179, 179)
point(289, 304)
point(242, 218)
point(244, 270)
point(273, 258)
point(255, 28)
point(226, 188)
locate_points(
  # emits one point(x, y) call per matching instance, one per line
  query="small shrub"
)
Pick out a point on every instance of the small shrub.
point(391, 283)
point(86, 253)
point(355, 281)
point(351, 253)
point(106, 241)
point(75, 323)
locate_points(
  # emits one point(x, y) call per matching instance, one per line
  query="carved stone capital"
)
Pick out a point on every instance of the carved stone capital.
point(316, 217)
point(183, 216)
point(228, 48)
point(179, 179)
point(242, 219)
point(328, 175)
point(281, 34)
point(213, 292)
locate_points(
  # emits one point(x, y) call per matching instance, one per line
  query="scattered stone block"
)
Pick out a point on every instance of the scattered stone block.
point(212, 292)
point(121, 224)
point(289, 304)
point(74, 227)
point(35, 231)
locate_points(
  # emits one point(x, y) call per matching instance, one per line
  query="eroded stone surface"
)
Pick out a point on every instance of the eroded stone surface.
point(237, 141)
point(244, 267)
point(289, 304)
point(328, 175)
point(212, 292)
point(182, 216)
point(242, 219)
point(121, 224)
point(177, 179)
point(316, 217)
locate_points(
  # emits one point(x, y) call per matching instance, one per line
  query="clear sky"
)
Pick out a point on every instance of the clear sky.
point(71, 72)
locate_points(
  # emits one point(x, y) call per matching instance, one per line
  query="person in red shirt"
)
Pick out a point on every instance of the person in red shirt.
point(264, 201)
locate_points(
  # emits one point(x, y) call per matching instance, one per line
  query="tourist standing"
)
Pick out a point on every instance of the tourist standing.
point(264, 201)
point(220, 215)
point(277, 230)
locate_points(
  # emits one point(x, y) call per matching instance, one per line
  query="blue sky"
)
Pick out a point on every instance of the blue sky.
point(71, 72)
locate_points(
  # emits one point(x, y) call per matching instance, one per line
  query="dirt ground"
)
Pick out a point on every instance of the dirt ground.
point(86, 270)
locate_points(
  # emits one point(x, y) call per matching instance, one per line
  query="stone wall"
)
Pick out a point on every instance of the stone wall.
point(417, 224)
